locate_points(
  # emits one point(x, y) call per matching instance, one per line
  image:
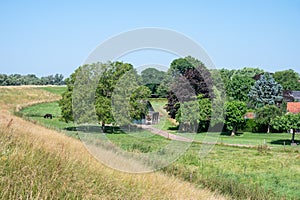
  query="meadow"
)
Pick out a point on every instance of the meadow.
point(265, 169)
point(40, 163)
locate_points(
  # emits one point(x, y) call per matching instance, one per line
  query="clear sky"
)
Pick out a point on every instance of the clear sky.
point(48, 37)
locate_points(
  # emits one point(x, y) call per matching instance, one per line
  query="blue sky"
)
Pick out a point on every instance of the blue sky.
point(48, 37)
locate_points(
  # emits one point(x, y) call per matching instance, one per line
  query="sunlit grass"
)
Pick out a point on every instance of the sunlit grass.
point(40, 163)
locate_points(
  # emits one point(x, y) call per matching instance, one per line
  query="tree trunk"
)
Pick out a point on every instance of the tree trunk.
point(233, 131)
point(268, 128)
point(103, 127)
point(293, 136)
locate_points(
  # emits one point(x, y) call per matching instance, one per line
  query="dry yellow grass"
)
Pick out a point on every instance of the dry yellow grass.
point(117, 185)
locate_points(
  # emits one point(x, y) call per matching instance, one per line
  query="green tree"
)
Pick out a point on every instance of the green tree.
point(265, 91)
point(264, 115)
point(194, 115)
point(152, 78)
point(205, 109)
point(235, 111)
point(249, 72)
point(287, 122)
point(92, 87)
point(129, 99)
point(238, 87)
point(188, 116)
point(180, 66)
point(289, 79)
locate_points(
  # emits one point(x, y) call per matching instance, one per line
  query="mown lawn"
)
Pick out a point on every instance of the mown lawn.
point(247, 138)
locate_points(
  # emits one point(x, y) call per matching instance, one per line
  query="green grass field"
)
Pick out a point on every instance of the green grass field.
point(246, 138)
point(242, 173)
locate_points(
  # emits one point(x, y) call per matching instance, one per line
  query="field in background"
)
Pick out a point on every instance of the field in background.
point(39, 163)
point(257, 173)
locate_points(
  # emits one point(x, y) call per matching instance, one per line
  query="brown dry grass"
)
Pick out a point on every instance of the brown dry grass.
point(77, 173)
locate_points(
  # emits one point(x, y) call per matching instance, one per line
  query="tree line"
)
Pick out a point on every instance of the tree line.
point(198, 97)
point(31, 79)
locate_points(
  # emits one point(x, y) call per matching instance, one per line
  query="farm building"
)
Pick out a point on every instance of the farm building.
point(151, 118)
point(291, 96)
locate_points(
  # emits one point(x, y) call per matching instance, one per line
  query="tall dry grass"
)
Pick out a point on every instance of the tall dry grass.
point(38, 163)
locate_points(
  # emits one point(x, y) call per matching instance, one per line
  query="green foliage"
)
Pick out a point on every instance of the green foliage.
point(95, 88)
point(187, 82)
point(249, 72)
point(31, 79)
point(188, 116)
point(286, 122)
point(152, 78)
point(235, 111)
point(129, 99)
point(238, 87)
point(180, 65)
point(289, 79)
point(264, 115)
point(252, 126)
point(266, 91)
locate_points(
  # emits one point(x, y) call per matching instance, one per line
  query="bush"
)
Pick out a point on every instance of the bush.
point(254, 126)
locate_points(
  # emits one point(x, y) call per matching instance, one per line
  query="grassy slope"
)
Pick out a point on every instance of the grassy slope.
point(241, 172)
point(36, 162)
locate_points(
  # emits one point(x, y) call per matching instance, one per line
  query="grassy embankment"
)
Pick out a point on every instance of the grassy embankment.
point(39, 163)
point(254, 173)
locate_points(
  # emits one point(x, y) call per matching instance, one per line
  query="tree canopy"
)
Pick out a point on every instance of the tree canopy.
point(103, 84)
point(235, 111)
point(265, 91)
point(289, 79)
point(152, 78)
point(31, 79)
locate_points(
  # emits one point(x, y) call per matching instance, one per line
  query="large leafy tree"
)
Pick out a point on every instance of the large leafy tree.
point(287, 122)
point(238, 87)
point(195, 115)
point(265, 91)
point(129, 99)
point(98, 82)
point(188, 116)
point(289, 79)
point(264, 115)
point(235, 111)
point(187, 82)
point(189, 78)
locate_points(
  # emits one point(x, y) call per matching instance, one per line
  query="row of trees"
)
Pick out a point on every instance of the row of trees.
point(31, 79)
point(247, 89)
point(197, 96)
point(237, 83)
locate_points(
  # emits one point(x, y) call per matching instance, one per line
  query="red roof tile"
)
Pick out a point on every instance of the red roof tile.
point(293, 107)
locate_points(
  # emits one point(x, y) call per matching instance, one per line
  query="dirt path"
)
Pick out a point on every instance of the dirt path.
point(165, 134)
